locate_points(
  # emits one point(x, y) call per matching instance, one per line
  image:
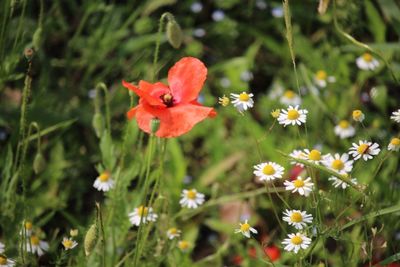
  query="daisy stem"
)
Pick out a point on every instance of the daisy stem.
point(380, 164)
point(144, 199)
point(274, 210)
point(103, 235)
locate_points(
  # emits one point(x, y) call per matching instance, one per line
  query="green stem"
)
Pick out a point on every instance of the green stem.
point(103, 235)
point(144, 200)
point(157, 49)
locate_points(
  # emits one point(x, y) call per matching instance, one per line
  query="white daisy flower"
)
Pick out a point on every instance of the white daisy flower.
point(28, 228)
point(297, 218)
point(396, 116)
point(358, 115)
point(313, 156)
point(191, 199)
point(364, 149)
point(344, 129)
point(277, 12)
point(246, 76)
point(218, 15)
point(276, 91)
point(367, 62)
point(338, 163)
point(225, 82)
point(336, 182)
point(6, 262)
point(2, 247)
point(293, 116)
point(304, 187)
point(173, 233)
point(35, 245)
point(148, 215)
point(69, 243)
point(184, 245)
point(321, 78)
point(298, 154)
point(243, 101)
point(199, 32)
point(196, 7)
point(245, 229)
point(394, 144)
point(268, 171)
point(290, 98)
point(295, 242)
point(104, 182)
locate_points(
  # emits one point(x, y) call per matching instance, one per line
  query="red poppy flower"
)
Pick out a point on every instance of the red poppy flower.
point(175, 105)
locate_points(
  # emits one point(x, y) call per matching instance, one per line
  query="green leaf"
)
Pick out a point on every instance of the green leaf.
point(377, 25)
point(107, 151)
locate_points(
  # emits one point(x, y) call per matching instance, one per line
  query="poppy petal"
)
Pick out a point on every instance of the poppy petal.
point(186, 78)
point(156, 90)
point(145, 95)
point(174, 121)
point(131, 113)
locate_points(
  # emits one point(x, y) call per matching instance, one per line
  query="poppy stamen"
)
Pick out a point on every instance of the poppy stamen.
point(167, 99)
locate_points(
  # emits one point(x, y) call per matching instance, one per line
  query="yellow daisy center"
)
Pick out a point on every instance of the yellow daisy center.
point(296, 217)
point(298, 183)
point(142, 211)
point(3, 260)
point(321, 75)
point(293, 114)
point(245, 227)
point(314, 155)
point(395, 141)
point(183, 245)
point(191, 194)
point(104, 176)
point(268, 170)
point(297, 240)
point(367, 57)
point(67, 243)
point(35, 240)
point(344, 124)
point(357, 114)
point(173, 231)
point(362, 149)
point(337, 164)
point(28, 225)
point(289, 94)
point(244, 97)
point(224, 101)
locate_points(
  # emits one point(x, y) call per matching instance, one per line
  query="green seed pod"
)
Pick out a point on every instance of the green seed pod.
point(36, 39)
point(39, 163)
point(91, 238)
point(98, 124)
point(174, 33)
point(154, 125)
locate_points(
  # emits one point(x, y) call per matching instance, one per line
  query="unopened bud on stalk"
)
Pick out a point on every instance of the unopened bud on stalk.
point(91, 238)
point(174, 33)
point(28, 53)
point(39, 163)
point(98, 124)
point(154, 125)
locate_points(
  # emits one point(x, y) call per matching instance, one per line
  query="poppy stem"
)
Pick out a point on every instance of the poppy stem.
point(164, 16)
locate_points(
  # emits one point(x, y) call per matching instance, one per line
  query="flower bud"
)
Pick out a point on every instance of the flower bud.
point(154, 125)
point(28, 53)
point(73, 232)
point(91, 238)
point(39, 163)
point(174, 33)
point(98, 124)
point(358, 115)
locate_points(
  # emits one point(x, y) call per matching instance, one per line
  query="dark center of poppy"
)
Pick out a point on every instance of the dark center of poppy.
point(167, 99)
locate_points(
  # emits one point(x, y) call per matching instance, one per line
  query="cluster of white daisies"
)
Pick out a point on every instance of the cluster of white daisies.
point(269, 171)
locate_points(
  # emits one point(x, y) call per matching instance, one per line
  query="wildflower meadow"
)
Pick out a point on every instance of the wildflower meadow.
point(200, 133)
